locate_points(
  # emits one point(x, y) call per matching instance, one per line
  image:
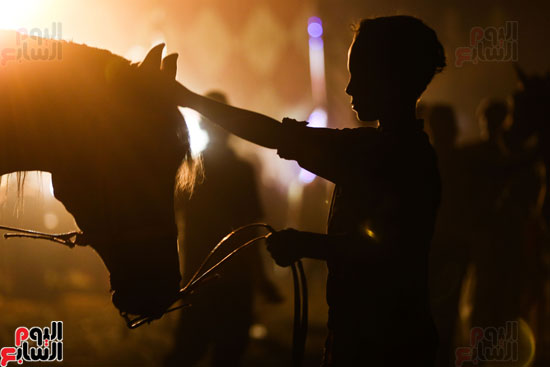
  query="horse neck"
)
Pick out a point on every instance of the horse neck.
point(23, 150)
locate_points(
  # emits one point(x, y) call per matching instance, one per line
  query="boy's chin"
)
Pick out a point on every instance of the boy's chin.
point(366, 116)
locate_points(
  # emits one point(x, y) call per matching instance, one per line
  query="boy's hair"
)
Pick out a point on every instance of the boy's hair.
point(405, 47)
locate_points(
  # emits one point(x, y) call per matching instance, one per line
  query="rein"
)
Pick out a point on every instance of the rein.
point(201, 276)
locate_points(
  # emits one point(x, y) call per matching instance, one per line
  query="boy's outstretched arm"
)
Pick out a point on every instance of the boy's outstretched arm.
point(251, 126)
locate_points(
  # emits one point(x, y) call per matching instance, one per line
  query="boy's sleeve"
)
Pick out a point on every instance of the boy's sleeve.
point(333, 154)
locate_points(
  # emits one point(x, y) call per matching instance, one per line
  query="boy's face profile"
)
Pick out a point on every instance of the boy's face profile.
point(365, 86)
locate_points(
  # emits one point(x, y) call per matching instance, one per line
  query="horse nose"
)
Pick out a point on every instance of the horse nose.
point(144, 301)
point(145, 292)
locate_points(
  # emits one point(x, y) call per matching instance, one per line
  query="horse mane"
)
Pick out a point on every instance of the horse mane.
point(85, 96)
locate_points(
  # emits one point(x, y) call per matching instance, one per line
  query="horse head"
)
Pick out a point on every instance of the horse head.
point(112, 136)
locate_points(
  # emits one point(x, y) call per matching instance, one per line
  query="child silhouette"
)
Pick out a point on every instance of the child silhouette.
point(385, 201)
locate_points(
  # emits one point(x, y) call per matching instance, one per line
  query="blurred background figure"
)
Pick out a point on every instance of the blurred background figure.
point(451, 242)
point(479, 263)
point(506, 193)
point(222, 311)
point(528, 140)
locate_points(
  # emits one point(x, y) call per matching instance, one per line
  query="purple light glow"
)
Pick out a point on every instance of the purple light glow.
point(315, 27)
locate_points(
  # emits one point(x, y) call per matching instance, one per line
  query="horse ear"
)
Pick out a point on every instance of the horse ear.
point(153, 58)
point(521, 74)
point(170, 65)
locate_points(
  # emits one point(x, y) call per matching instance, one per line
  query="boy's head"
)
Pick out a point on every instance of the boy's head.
point(391, 61)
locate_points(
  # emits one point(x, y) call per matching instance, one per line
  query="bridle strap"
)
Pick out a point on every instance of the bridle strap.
point(78, 238)
point(70, 239)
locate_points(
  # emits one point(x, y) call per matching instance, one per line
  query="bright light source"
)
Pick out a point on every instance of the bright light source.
point(318, 118)
point(306, 177)
point(50, 187)
point(136, 53)
point(15, 14)
point(198, 137)
point(258, 331)
point(317, 60)
point(369, 232)
point(315, 27)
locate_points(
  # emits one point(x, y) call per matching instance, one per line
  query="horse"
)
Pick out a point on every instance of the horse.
point(110, 133)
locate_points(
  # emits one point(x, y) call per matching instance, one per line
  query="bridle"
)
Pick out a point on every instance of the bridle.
point(69, 239)
point(201, 276)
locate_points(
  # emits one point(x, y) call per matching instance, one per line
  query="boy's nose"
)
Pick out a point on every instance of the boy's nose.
point(348, 89)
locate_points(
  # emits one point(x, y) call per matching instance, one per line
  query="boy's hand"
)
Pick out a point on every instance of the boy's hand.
point(284, 246)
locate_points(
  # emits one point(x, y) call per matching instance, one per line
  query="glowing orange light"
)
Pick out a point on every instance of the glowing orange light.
point(528, 338)
point(15, 14)
point(370, 233)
